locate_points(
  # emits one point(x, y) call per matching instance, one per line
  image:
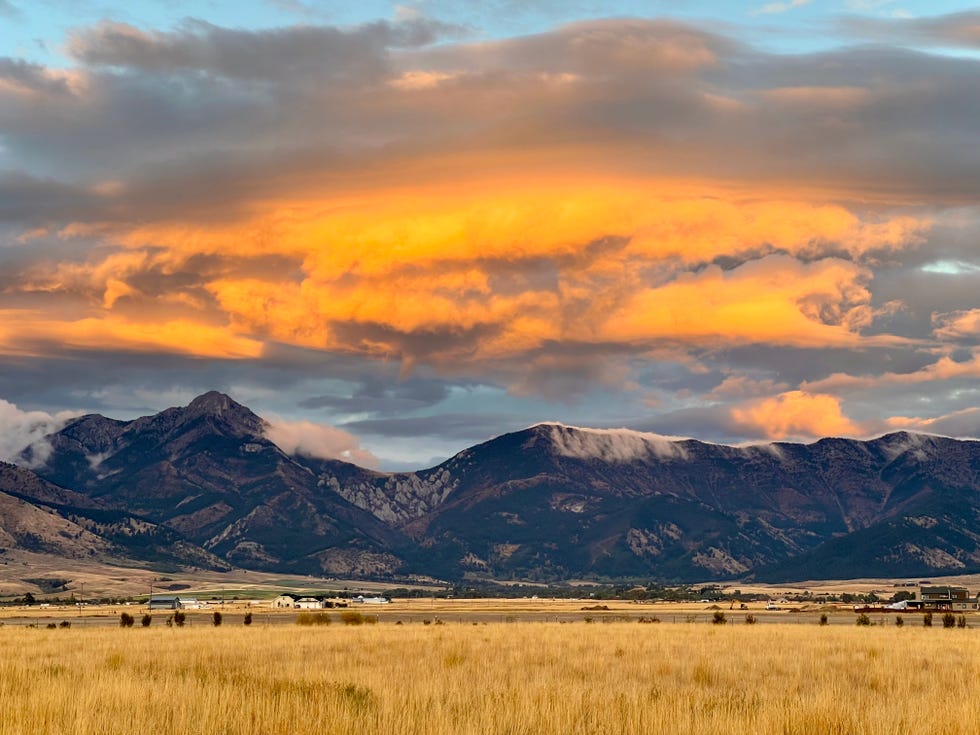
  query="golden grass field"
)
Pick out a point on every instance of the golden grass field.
point(491, 678)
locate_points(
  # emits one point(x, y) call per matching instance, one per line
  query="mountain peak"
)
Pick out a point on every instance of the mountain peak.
point(213, 402)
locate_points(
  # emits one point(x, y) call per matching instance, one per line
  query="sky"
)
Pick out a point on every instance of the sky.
point(398, 229)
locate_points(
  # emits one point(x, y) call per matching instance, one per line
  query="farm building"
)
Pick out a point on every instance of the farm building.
point(284, 602)
point(309, 603)
point(371, 600)
point(165, 602)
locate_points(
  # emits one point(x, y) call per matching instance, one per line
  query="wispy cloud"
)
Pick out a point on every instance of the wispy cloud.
point(780, 7)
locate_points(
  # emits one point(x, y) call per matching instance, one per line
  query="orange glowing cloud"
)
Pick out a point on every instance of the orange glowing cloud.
point(795, 414)
point(32, 333)
point(490, 268)
point(777, 300)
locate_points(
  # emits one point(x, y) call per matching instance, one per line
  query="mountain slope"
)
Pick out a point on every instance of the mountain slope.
point(207, 472)
point(549, 502)
point(558, 501)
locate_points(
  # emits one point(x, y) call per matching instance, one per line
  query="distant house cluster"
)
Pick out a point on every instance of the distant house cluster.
point(290, 601)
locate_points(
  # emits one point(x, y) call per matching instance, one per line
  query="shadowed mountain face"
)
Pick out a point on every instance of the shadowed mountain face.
point(208, 473)
point(550, 502)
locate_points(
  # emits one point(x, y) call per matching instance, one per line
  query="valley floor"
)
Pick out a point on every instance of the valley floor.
point(533, 678)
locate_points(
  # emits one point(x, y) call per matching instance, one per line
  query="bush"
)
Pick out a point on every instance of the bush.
point(146, 620)
point(306, 618)
point(898, 621)
point(216, 619)
point(927, 620)
point(961, 621)
point(126, 620)
point(64, 624)
point(750, 619)
point(179, 618)
point(349, 617)
point(718, 618)
point(863, 619)
point(949, 620)
point(823, 618)
point(248, 618)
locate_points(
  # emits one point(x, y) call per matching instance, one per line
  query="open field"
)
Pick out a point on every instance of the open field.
point(496, 678)
point(464, 611)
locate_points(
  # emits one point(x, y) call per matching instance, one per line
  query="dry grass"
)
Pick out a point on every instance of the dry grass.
point(518, 678)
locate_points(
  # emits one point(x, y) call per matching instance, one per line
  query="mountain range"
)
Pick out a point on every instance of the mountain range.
point(203, 486)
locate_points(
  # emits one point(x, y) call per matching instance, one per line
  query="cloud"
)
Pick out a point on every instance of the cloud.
point(795, 415)
point(958, 325)
point(953, 30)
point(634, 215)
point(318, 441)
point(320, 52)
point(964, 423)
point(780, 7)
point(22, 429)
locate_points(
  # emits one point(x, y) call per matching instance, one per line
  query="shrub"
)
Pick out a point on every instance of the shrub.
point(306, 618)
point(51, 626)
point(863, 619)
point(718, 618)
point(216, 619)
point(949, 620)
point(927, 620)
point(898, 621)
point(179, 618)
point(248, 618)
point(126, 620)
point(64, 624)
point(349, 617)
point(961, 621)
point(146, 620)
point(750, 619)
point(823, 618)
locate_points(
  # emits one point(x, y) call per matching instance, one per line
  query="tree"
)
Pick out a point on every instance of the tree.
point(902, 595)
point(28, 599)
point(126, 620)
point(216, 619)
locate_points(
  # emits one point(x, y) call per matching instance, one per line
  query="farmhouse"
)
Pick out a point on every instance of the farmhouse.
point(943, 598)
point(308, 603)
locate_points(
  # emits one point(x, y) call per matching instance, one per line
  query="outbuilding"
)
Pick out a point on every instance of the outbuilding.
point(165, 602)
point(284, 602)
